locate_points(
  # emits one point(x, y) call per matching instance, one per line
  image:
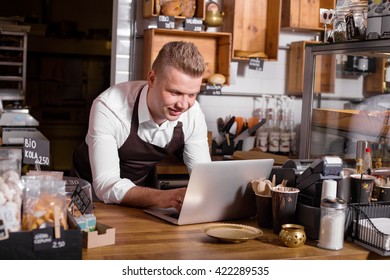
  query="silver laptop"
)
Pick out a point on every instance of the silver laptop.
point(218, 191)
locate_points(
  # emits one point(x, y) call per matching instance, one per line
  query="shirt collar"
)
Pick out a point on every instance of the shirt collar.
point(144, 115)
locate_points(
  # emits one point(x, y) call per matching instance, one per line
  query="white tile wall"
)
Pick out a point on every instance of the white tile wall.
point(270, 81)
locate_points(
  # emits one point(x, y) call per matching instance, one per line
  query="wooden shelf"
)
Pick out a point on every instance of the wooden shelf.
point(369, 123)
point(255, 26)
point(304, 15)
point(325, 70)
point(214, 46)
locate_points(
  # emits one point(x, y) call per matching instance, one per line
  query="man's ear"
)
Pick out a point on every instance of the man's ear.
point(151, 78)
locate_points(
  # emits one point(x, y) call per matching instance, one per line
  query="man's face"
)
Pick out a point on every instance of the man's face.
point(171, 93)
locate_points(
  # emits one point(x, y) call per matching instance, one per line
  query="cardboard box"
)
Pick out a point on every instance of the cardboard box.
point(103, 235)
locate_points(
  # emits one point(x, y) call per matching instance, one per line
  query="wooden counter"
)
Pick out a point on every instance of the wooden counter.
point(140, 236)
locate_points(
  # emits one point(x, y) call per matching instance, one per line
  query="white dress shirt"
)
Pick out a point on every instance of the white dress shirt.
point(109, 127)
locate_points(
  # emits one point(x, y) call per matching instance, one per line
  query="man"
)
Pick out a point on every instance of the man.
point(135, 124)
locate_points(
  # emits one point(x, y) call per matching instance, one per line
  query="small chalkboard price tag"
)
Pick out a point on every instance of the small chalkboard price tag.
point(80, 199)
point(167, 22)
point(256, 64)
point(193, 24)
point(3, 230)
point(43, 239)
point(212, 89)
point(36, 151)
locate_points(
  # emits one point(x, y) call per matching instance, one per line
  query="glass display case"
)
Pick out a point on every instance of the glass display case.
point(330, 129)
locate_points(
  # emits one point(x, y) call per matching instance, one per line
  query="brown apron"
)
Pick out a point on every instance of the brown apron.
point(138, 159)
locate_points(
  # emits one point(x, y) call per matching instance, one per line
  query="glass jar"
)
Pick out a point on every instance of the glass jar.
point(332, 223)
point(339, 25)
point(358, 10)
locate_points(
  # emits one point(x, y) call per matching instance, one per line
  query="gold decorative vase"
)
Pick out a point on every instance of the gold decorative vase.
point(292, 235)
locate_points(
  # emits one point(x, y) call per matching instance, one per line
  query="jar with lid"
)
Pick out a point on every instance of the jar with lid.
point(358, 23)
point(332, 223)
point(339, 25)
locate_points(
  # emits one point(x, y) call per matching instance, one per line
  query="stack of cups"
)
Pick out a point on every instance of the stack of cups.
point(329, 189)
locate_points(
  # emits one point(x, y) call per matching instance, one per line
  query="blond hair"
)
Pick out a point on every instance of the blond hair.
point(184, 56)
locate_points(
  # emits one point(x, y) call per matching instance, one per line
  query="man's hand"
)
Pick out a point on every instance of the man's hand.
point(143, 197)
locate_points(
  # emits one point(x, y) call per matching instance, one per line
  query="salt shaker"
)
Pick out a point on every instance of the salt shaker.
point(333, 211)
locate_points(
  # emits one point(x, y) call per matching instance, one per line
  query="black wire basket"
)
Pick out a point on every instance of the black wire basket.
point(368, 225)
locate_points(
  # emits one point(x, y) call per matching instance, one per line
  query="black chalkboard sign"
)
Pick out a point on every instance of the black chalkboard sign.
point(193, 24)
point(43, 239)
point(212, 89)
point(166, 22)
point(256, 64)
point(36, 151)
point(80, 199)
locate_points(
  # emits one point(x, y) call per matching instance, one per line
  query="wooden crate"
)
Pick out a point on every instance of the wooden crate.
point(325, 70)
point(150, 11)
point(214, 46)
point(255, 25)
point(304, 14)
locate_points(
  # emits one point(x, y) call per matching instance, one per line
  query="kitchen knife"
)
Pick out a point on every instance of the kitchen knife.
point(224, 131)
point(228, 125)
point(249, 131)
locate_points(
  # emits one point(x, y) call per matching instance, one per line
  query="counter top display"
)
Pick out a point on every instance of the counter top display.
point(327, 130)
point(142, 236)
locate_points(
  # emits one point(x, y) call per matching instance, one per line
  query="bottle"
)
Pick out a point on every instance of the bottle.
point(293, 134)
point(367, 162)
point(274, 134)
point(262, 134)
point(285, 135)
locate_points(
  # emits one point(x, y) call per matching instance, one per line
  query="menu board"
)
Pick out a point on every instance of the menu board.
point(36, 151)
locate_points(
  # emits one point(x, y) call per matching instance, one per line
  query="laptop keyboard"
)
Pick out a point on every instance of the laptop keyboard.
point(174, 215)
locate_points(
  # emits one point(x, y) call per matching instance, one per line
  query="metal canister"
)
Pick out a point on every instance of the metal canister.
point(361, 148)
point(332, 224)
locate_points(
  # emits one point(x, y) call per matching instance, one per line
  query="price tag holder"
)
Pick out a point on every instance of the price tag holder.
point(212, 89)
point(167, 22)
point(3, 230)
point(193, 24)
point(256, 64)
point(80, 199)
point(36, 151)
point(43, 239)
